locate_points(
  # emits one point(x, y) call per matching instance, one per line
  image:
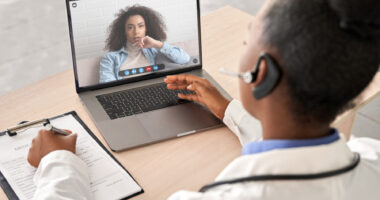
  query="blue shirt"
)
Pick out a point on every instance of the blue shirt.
point(112, 61)
point(268, 145)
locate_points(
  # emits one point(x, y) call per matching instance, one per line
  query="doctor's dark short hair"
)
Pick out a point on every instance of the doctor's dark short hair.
point(329, 51)
point(155, 26)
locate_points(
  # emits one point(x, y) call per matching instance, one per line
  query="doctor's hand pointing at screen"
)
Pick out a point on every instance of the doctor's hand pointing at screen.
point(204, 92)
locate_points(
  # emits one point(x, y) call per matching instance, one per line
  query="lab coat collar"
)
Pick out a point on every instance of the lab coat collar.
point(268, 145)
point(301, 160)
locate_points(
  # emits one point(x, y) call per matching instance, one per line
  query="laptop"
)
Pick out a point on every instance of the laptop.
point(122, 50)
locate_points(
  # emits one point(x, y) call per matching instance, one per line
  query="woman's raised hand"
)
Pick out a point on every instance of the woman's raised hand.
point(147, 42)
point(205, 92)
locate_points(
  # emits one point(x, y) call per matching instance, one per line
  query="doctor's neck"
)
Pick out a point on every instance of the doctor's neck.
point(279, 121)
point(278, 124)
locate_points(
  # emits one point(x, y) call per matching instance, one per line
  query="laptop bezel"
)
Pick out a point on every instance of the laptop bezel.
point(134, 79)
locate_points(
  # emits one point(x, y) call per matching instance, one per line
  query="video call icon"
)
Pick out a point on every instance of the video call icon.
point(141, 70)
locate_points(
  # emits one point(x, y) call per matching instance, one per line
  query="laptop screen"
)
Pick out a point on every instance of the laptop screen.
point(114, 40)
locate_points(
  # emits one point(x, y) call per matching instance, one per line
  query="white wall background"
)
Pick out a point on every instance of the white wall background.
point(91, 19)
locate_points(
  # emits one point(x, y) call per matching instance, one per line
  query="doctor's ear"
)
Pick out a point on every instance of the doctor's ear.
point(261, 70)
point(268, 75)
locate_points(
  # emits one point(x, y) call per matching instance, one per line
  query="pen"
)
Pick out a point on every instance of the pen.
point(50, 127)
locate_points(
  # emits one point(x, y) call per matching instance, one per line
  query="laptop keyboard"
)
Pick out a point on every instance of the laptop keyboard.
point(138, 100)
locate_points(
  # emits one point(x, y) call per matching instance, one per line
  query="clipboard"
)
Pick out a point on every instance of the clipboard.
point(10, 192)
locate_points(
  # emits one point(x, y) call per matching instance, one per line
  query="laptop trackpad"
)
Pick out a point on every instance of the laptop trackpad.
point(174, 120)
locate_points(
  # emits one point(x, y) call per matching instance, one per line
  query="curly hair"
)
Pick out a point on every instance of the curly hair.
point(155, 26)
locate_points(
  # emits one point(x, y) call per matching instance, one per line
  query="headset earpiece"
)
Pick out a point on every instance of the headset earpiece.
point(271, 79)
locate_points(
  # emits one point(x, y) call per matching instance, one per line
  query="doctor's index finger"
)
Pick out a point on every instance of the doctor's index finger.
point(183, 79)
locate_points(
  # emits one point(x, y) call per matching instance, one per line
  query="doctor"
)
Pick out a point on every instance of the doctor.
point(306, 61)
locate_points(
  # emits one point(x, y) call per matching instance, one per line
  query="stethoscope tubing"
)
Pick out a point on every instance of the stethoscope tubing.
point(279, 177)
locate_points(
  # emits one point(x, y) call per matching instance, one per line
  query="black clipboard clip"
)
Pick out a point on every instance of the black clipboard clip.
point(12, 131)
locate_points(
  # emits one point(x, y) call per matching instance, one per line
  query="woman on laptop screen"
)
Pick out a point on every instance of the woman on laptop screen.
point(136, 37)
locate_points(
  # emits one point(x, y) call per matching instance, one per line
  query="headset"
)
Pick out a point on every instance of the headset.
point(271, 79)
point(279, 177)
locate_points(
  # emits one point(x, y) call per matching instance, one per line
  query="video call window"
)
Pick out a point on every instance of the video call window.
point(119, 39)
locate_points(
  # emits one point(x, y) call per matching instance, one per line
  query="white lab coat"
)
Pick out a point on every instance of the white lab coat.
point(361, 183)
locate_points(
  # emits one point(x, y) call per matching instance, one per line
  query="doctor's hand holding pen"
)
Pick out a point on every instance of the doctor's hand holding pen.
point(49, 141)
point(205, 92)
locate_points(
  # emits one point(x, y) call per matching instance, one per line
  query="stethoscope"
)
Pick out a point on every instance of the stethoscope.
point(268, 177)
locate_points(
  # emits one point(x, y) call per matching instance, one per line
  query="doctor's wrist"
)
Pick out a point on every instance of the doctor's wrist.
point(222, 109)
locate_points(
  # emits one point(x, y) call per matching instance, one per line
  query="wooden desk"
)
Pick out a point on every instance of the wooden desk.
point(161, 169)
